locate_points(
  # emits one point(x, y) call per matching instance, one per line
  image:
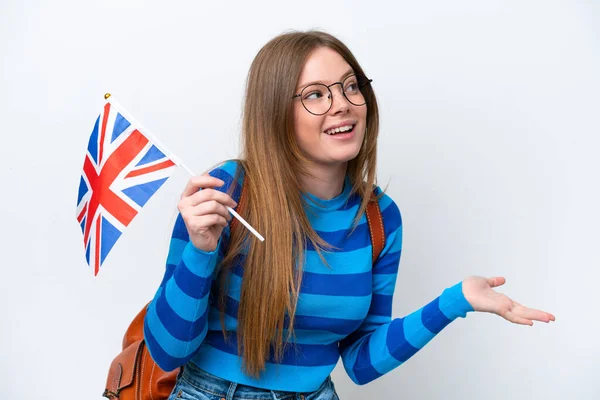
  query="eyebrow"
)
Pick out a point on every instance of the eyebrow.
point(344, 76)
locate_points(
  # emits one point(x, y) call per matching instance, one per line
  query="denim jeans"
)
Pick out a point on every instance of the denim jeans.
point(196, 384)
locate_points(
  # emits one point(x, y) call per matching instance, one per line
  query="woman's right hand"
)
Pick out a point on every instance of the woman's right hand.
point(204, 211)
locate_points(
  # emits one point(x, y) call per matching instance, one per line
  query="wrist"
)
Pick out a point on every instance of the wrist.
point(453, 302)
point(200, 262)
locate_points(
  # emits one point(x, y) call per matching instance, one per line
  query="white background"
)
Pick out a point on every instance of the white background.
point(489, 144)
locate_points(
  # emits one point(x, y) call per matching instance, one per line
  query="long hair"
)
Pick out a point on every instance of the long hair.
point(273, 162)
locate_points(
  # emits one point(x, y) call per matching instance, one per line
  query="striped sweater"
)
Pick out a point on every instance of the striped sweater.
point(343, 310)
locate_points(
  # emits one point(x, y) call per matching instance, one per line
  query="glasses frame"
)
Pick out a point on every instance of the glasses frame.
point(368, 82)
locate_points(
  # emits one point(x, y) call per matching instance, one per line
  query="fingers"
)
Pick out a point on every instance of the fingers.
point(197, 182)
point(202, 228)
point(203, 211)
point(496, 281)
point(532, 314)
point(206, 195)
point(514, 318)
point(216, 201)
point(522, 315)
point(208, 220)
point(204, 215)
point(207, 208)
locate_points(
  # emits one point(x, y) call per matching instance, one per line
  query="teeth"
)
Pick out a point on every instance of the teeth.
point(338, 130)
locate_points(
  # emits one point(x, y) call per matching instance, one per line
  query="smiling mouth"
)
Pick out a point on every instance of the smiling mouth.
point(341, 129)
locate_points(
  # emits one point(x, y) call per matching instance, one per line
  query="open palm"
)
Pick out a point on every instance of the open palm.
point(480, 294)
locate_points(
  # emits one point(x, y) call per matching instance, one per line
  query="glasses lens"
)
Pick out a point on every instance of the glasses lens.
point(357, 89)
point(316, 98)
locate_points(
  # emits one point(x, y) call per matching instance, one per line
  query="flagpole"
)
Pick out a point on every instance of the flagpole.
point(109, 98)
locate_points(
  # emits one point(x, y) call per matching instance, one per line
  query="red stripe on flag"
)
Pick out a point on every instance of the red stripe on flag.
point(90, 173)
point(97, 255)
point(152, 168)
point(122, 211)
point(104, 120)
point(121, 157)
point(117, 161)
point(80, 216)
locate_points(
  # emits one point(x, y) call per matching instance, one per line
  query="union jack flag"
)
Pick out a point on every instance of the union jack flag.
point(122, 170)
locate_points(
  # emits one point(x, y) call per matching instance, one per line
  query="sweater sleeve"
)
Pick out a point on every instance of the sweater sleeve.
point(176, 319)
point(381, 343)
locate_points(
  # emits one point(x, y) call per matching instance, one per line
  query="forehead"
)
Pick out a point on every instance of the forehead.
point(324, 64)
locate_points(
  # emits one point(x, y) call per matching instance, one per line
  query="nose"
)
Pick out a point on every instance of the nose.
point(342, 105)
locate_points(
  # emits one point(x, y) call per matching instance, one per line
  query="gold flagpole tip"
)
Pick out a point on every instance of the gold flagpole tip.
point(106, 96)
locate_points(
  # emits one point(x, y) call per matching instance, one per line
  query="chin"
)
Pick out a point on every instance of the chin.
point(343, 158)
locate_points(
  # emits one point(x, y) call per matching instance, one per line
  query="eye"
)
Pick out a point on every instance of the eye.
point(352, 87)
point(313, 96)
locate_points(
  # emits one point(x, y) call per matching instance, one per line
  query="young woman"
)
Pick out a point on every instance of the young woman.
point(270, 320)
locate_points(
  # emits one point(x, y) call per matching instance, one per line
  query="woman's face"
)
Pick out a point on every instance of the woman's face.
point(313, 132)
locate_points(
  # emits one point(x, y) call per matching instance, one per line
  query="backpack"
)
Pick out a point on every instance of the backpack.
point(133, 374)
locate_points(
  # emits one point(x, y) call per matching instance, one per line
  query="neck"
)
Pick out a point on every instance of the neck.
point(325, 182)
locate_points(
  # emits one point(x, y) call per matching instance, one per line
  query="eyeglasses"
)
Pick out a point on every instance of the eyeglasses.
point(317, 98)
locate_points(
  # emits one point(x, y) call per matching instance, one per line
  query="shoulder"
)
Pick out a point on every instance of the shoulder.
point(227, 171)
point(390, 212)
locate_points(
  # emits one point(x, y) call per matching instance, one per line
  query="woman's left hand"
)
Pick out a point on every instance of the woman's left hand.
point(480, 294)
